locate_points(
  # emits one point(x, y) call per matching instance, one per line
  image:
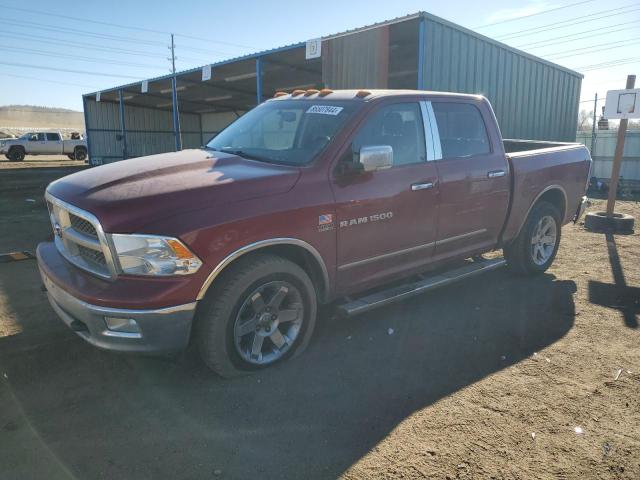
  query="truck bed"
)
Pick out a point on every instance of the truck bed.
point(514, 146)
point(540, 166)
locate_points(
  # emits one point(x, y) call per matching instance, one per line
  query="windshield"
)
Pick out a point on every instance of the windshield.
point(292, 132)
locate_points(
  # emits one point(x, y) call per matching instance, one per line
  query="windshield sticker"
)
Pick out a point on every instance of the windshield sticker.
point(324, 109)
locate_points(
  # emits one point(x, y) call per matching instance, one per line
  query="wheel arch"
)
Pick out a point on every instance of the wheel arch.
point(554, 194)
point(298, 251)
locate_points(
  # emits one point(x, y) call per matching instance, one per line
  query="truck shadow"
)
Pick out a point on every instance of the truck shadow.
point(119, 416)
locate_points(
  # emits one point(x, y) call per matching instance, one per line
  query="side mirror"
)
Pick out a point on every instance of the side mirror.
point(376, 157)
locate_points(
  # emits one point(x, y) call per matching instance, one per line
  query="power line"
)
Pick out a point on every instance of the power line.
point(592, 46)
point(47, 80)
point(598, 66)
point(585, 34)
point(128, 27)
point(533, 14)
point(88, 46)
point(594, 51)
point(45, 53)
point(65, 70)
point(567, 23)
point(53, 28)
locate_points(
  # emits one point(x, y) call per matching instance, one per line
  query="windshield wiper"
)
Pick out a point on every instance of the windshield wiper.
point(244, 154)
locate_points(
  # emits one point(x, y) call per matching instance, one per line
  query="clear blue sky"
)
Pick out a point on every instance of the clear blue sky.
point(239, 27)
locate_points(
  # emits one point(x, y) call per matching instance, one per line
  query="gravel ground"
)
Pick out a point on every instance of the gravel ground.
point(496, 377)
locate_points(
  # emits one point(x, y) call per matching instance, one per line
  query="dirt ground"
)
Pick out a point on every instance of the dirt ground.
point(496, 377)
point(39, 161)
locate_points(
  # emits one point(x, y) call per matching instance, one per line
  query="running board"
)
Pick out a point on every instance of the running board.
point(425, 284)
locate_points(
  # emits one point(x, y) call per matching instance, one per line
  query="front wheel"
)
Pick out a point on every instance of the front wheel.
point(535, 247)
point(16, 154)
point(262, 312)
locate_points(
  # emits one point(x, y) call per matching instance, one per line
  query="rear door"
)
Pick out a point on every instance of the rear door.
point(386, 219)
point(473, 175)
point(54, 144)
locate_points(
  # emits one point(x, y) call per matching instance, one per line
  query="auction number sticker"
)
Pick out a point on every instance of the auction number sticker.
point(324, 109)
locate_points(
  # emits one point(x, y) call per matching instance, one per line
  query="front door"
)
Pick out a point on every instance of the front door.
point(37, 144)
point(386, 219)
point(474, 179)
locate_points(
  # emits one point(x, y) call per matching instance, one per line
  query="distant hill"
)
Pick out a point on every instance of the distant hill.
point(20, 117)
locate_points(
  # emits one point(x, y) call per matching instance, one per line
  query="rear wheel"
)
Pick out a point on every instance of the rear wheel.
point(262, 311)
point(535, 247)
point(80, 153)
point(16, 154)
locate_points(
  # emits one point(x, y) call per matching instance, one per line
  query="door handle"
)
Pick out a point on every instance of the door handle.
point(421, 186)
point(496, 174)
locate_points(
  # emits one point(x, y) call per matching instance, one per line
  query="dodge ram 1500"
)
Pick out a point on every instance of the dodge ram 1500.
point(359, 198)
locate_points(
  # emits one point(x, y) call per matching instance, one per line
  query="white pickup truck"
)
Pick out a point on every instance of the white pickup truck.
point(43, 143)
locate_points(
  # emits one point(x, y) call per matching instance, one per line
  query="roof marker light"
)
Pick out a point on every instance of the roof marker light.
point(363, 93)
point(311, 91)
point(280, 94)
point(324, 92)
point(295, 93)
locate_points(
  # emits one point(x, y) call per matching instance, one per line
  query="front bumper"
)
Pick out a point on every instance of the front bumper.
point(584, 203)
point(162, 330)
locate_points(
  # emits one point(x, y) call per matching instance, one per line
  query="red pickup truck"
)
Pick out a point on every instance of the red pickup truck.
point(359, 198)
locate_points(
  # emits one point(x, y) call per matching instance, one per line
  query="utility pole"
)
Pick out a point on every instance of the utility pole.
point(617, 156)
point(174, 95)
point(593, 127)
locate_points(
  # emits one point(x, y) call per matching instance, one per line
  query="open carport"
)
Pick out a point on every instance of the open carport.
point(532, 97)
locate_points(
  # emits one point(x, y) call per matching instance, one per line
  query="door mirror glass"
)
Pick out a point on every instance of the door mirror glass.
point(376, 157)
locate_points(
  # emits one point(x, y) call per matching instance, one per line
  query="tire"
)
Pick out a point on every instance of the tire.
point(230, 321)
point(16, 154)
point(71, 156)
point(618, 223)
point(534, 249)
point(80, 153)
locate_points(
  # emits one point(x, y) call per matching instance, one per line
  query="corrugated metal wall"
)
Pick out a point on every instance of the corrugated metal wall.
point(148, 131)
point(357, 61)
point(532, 99)
point(603, 154)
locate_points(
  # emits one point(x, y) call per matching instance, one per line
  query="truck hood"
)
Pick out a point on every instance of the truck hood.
point(130, 194)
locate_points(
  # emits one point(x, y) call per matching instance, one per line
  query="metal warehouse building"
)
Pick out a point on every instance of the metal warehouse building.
point(532, 98)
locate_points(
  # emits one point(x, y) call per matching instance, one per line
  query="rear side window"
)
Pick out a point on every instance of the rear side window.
point(53, 137)
point(462, 130)
point(398, 125)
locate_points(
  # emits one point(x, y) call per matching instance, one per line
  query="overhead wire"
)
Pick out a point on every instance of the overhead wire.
point(88, 46)
point(80, 58)
point(66, 70)
point(571, 22)
point(533, 14)
point(46, 80)
point(581, 35)
point(590, 47)
point(119, 25)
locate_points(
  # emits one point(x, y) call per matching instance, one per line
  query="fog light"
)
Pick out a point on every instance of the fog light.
point(126, 325)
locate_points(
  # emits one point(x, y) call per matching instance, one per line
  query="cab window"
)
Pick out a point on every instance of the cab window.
point(399, 126)
point(53, 137)
point(462, 130)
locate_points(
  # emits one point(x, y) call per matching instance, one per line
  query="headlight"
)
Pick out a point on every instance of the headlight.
point(153, 255)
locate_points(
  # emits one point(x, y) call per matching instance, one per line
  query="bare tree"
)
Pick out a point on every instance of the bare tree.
point(584, 120)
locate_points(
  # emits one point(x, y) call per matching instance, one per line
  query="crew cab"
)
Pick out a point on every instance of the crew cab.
point(359, 198)
point(43, 143)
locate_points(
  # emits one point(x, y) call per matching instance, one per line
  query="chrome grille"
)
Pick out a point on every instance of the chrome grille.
point(92, 255)
point(83, 226)
point(79, 238)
